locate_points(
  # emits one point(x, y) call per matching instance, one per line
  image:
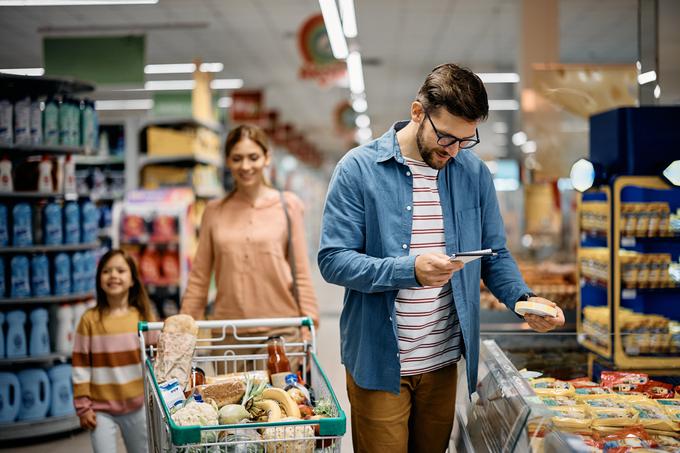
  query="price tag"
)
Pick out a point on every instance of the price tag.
point(628, 294)
point(628, 242)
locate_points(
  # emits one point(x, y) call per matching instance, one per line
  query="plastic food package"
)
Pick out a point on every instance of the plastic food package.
point(552, 387)
point(571, 418)
point(257, 377)
point(623, 382)
point(587, 392)
point(172, 394)
point(535, 308)
point(556, 401)
point(614, 416)
point(625, 439)
point(658, 390)
point(583, 382)
point(176, 349)
point(652, 415)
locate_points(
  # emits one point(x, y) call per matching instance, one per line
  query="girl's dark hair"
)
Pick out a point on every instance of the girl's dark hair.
point(459, 90)
point(137, 296)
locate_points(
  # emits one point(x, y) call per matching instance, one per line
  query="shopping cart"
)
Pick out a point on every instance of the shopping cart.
point(289, 436)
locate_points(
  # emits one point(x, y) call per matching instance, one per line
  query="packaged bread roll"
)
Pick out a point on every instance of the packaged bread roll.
point(176, 349)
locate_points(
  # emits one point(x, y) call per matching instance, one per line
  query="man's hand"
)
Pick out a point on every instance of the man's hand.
point(544, 323)
point(435, 269)
point(88, 420)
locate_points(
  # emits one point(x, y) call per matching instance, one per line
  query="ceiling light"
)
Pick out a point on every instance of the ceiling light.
point(349, 20)
point(499, 77)
point(503, 104)
point(362, 121)
point(500, 127)
point(169, 85)
point(336, 37)
point(181, 68)
point(519, 138)
point(582, 175)
point(657, 92)
point(226, 84)
point(74, 2)
point(363, 135)
point(672, 173)
point(646, 77)
point(356, 74)
point(225, 102)
point(24, 71)
point(360, 105)
point(529, 147)
point(124, 104)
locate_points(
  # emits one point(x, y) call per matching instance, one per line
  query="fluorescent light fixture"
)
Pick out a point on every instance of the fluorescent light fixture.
point(334, 29)
point(181, 68)
point(177, 85)
point(363, 135)
point(657, 92)
point(519, 138)
point(500, 127)
point(499, 77)
point(74, 2)
point(355, 72)
point(362, 121)
point(529, 147)
point(124, 104)
point(226, 84)
point(646, 77)
point(582, 175)
point(225, 102)
point(24, 71)
point(360, 105)
point(503, 104)
point(349, 20)
point(672, 173)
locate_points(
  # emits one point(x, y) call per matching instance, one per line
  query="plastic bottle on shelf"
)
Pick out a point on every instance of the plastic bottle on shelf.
point(62, 391)
point(90, 222)
point(4, 226)
point(36, 393)
point(6, 181)
point(64, 122)
point(70, 186)
point(36, 122)
point(16, 334)
point(53, 228)
point(77, 270)
point(40, 275)
point(51, 122)
point(88, 126)
point(22, 225)
point(45, 182)
point(10, 391)
point(39, 344)
point(22, 122)
point(3, 285)
point(2, 336)
point(6, 123)
point(21, 284)
point(75, 129)
point(62, 274)
point(71, 223)
point(64, 332)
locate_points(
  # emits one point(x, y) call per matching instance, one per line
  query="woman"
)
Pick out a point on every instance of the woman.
point(244, 238)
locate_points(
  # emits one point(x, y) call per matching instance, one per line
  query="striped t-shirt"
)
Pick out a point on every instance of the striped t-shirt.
point(427, 322)
point(107, 364)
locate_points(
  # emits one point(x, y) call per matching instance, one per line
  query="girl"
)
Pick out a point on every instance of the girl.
point(108, 388)
point(254, 240)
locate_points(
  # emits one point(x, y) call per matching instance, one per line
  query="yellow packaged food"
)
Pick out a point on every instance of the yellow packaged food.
point(614, 416)
point(665, 440)
point(571, 417)
point(652, 415)
point(588, 392)
point(605, 402)
point(556, 401)
point(552, 387)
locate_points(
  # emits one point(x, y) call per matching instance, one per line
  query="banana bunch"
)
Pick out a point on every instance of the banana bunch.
point(273, 405)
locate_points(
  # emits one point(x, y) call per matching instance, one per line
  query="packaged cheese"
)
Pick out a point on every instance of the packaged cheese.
point(556, 401)
point(535, 308)
point(551, 387)
point(614, 416)
point(658, 390)
point(622, 381)
point(587, 392)
point(652, 415)
point(571, 417)
point(622, 440)
point(583, 382)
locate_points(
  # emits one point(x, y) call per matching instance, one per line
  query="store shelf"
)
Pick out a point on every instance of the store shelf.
point(38, 195)
point(103, 197)
point(38, 428)
point(38, 150)
point(187, 159)
point(184, 121)
point(83, 161)
point(49, 248)
point(28, 360)
point(17, 86)
point(45, 299)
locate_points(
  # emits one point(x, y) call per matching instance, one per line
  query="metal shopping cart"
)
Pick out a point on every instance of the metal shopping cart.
point(289, 436)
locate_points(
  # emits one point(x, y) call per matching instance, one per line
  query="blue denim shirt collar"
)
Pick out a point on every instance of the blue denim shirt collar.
point(388, 146)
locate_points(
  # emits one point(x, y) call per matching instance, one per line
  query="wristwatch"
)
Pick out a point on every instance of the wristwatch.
point(525, 297)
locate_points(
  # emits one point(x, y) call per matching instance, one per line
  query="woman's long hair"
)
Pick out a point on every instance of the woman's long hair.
point(137, 297)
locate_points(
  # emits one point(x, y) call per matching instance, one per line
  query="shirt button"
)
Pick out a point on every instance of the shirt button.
point(408, 208)
point(408, 173)
point(404, 246)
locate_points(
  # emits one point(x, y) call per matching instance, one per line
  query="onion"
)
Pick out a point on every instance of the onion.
point(233, 413)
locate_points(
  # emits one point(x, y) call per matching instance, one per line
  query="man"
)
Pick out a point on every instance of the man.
point(396, 209)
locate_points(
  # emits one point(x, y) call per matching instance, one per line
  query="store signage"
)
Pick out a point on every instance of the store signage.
point(318, 62)
point(344, 119)
point(247, 106)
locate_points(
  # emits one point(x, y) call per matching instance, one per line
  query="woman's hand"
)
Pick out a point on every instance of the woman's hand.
point(88, 420)
point(544, 324)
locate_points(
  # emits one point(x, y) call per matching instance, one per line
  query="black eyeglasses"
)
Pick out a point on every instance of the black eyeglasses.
point(446, 140)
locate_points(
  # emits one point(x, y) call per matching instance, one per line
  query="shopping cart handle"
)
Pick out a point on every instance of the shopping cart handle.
point(144, 326)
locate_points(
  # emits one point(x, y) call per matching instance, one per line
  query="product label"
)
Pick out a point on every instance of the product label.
point(279, 379)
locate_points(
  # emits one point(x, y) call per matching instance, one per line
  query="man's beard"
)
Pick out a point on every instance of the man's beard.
point(428, 155)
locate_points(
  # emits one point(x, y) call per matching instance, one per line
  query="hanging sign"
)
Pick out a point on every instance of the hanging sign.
point(318, 61)
point(247, 106)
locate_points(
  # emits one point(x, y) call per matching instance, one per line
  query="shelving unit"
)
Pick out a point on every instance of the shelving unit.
point(38, 428)
point(38, 150)
point(37, 360)
point(49, 248)
point(14, 301)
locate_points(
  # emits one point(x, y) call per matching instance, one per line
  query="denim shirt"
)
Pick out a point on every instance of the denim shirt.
point(365, 239)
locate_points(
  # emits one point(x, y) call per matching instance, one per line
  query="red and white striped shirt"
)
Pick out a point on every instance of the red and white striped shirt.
point(427, 322)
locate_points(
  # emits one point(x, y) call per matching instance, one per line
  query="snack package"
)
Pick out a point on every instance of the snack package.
point(622, 440)
point(658, 390)
point(583, 382)
point(652, 415)
point(666, 442)
point(172, 394)
point(551, 387)
point(556, 401)
point(614, 416)
point(587, 392)
point(623, 382)
point(176, 349)
point(571, 417)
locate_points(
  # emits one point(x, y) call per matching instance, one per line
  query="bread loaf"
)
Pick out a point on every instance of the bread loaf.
point(224, 393)
point(176, 349)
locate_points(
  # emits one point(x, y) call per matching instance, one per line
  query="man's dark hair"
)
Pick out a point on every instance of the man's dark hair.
point(459, 90)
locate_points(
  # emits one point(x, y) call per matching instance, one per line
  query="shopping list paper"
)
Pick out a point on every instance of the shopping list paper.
point(471, 256)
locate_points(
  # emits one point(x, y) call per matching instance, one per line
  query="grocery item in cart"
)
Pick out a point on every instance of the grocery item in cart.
point(230, 392)
point(258, 376)
point(277, 363)
point(298, 438)
point(175, 349)
point(172, 394)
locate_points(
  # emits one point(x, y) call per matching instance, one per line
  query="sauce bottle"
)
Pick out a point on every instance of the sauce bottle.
point(277, 364)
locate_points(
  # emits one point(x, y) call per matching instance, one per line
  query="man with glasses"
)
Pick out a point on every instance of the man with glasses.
point(396, 209)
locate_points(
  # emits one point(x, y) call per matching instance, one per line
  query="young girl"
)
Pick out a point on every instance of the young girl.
point(108, 388)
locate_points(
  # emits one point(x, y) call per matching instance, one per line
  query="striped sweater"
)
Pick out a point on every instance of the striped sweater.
point(107, 365)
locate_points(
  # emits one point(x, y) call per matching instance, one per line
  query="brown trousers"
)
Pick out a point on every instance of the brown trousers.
point(417, 420)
